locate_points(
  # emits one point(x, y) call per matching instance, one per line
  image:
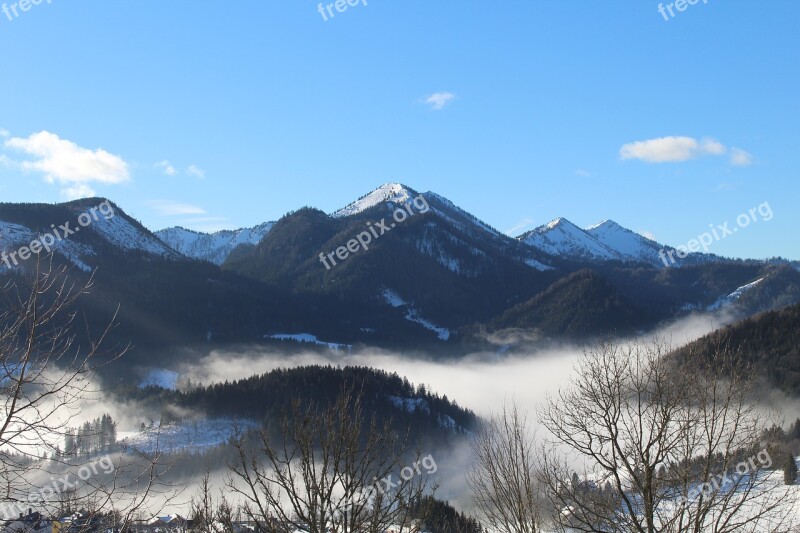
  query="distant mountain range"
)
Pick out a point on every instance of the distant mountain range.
point(439, 279)
point(606, 241)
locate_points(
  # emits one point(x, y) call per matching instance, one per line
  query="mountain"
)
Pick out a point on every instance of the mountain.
point(395, 269)
point(769, 342)
point(81, 231)
point(451, 268)
point(580, 306)
point(212, 247)
point(563, 238)
point(390, 193)
point(628, 245)
point(607, 241)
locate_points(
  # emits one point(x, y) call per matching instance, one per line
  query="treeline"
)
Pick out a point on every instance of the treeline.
point(769, 342)
point(267, 397)
point(99, 435)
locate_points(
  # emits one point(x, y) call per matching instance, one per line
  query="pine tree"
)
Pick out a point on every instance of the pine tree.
point(69, 442)
point(790, 470)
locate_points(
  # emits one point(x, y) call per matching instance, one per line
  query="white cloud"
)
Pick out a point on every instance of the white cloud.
point(73, 167)
point(740, 158)
point(583, 173)
point(712, 147)
point(649, 234)
point(76, 191)
point(196, 172)
point(169, 208)
point(437, 101)
point(166, 168)
point(4, 132)
point(678, 149)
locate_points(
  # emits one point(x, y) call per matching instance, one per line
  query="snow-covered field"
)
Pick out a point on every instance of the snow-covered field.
point(191, 436)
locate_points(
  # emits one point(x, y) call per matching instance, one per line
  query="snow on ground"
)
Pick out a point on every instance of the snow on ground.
point(388, 192)
point(393, 299)
point(410, 405)
point(734, 296)
point(307, 337)
point(159, 377)
point(212, 247)
point(562, 237)
point(412, 315)
point(193, 436)
point(629, 244)
point(121, 233)
point(14, 236)
point(533, 263)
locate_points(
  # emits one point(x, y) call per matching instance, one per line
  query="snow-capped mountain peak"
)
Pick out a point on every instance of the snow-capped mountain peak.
point(630, 245)
point(563, 238)
point(396, 193)
point(212, 247)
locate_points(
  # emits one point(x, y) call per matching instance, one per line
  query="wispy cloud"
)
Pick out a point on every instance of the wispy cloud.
point(170, 208)
point(73, 167)
point(583, 173)
point(439, 100)
point(649, 234)
point(196, 172)
point(517, 228)
point(4, 132)
point(166, 168)
point(740, 158)
point(679, 149)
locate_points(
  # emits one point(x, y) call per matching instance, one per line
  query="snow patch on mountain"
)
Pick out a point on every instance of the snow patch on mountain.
point(734, 296)
point(412, 315)
point(562, 237)
point(193, 436)
point(119, 232)
point(307, 338)
point(409, 405)
point(533, 263)
point(396, 193)
point(15, 236)
point(393, 299)
point(628, 244)
point(212, 247)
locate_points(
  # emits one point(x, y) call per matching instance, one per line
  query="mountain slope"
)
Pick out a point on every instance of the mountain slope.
point(451, 271)
point(579, 306)
point(442, 260)
point(627, 244)
point(562, 237)
point(770, 342)
point(212, 247)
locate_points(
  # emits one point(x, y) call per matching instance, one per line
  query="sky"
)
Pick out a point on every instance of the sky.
point(214, 115)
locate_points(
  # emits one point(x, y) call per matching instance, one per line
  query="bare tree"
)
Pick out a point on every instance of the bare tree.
point(504, 478)
point(209, 514)
point(669, 445)
point(46, 376)
point(329, 468)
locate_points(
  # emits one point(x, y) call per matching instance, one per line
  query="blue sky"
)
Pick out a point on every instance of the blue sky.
point(519, 112)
